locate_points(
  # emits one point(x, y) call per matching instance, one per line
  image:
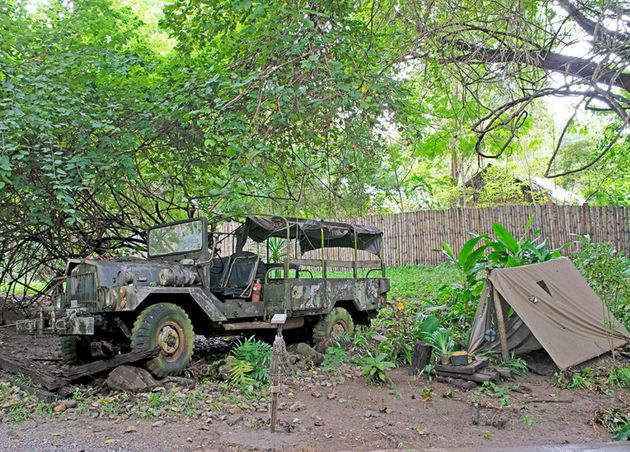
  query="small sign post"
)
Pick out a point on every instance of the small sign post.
point(278, 358)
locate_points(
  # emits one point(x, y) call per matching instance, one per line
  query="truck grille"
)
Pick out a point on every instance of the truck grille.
point(82, 287)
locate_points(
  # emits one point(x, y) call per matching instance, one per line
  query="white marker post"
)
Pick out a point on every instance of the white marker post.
point(279, 353)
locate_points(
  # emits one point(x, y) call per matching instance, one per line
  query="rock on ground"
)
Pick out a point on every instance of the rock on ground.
point(310, 353)
point(130, 379)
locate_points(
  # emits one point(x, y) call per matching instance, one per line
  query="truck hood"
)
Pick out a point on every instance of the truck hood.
point(117, 272)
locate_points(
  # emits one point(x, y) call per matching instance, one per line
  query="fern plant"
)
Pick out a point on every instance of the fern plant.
point(240, 374)
point(250, 367)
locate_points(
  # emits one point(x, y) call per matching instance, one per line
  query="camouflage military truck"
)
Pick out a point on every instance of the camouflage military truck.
point(187, 286)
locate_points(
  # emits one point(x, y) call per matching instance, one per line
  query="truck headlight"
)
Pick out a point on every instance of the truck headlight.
point(110, 298)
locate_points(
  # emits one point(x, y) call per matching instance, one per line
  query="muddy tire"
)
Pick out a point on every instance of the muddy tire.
point(76, 349)
point(336, 321)
point(165, 325)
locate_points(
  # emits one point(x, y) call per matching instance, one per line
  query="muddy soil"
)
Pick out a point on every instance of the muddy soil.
point(322, 411)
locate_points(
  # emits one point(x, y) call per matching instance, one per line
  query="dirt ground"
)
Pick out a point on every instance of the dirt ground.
point(318, 411)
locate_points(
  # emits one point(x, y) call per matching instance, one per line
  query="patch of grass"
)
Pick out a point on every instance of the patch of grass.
point(528, 421)
point(333, 359)
point(19, 413)
point(44, 409)
point(517, 366)
point(619, 376)
point(494, 390)
point(421, 282)
point(24, 380)
point(5, 391)
point(616, 421)
point(583, 379)
point(20, 288)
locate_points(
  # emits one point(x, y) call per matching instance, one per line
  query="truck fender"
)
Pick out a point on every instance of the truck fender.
point(207, 302)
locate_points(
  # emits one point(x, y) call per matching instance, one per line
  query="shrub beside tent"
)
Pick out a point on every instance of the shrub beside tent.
point(547, 305)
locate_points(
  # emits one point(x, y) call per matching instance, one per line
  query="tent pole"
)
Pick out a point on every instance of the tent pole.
point(498, 310)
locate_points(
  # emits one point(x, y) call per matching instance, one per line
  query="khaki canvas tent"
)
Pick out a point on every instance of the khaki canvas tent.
point(547, 305)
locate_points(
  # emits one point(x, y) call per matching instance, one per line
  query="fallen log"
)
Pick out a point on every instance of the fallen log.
point(479, 377)
point(505, 373)
point(37, 376)
point(98, 367)
point(550, 401)
point(457, 382)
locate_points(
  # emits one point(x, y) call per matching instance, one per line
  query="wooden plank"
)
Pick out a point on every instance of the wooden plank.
point(37, 376)
point(98, 367)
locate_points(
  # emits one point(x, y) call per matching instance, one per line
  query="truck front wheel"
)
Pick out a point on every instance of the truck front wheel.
point(167, 326)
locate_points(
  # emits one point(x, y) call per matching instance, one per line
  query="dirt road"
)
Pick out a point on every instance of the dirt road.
point(318, 411)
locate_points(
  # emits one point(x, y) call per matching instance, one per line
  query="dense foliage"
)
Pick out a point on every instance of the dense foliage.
point(608, 273)
point(272, 108)
point(115, 117)
point(481, 253)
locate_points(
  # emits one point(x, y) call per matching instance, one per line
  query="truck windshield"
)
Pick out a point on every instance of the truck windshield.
point(179, 238)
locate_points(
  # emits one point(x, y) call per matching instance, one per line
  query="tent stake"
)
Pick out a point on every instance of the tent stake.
point(498, 309)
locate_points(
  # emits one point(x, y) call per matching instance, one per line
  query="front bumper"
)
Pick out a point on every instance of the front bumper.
point(54, 321)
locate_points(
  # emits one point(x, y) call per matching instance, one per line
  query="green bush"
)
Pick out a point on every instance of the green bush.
point(334, 357)
point(619, 376)
point(481, 253)
point(608, 273)
point(374, 366)
point(441, 341)
point(250, 367)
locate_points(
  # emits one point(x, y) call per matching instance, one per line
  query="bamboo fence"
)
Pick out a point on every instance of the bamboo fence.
point(414, 237)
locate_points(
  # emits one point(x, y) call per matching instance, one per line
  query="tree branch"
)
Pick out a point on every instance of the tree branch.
point(551, 61)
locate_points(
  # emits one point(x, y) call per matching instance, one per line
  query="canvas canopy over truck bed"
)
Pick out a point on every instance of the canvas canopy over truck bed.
point(311, 234)
point(547, 305)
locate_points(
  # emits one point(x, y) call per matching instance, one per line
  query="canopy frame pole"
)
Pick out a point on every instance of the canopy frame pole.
point(324, 272)
point(287, 265)
point(356, 256)
point(498, 311)
point(287, 257)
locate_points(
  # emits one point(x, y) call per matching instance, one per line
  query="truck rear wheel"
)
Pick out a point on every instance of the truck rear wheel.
point(165, 325)
point(76, 349)
point(336, 321)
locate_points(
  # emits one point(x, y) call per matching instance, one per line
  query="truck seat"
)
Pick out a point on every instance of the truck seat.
point(244, 268)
